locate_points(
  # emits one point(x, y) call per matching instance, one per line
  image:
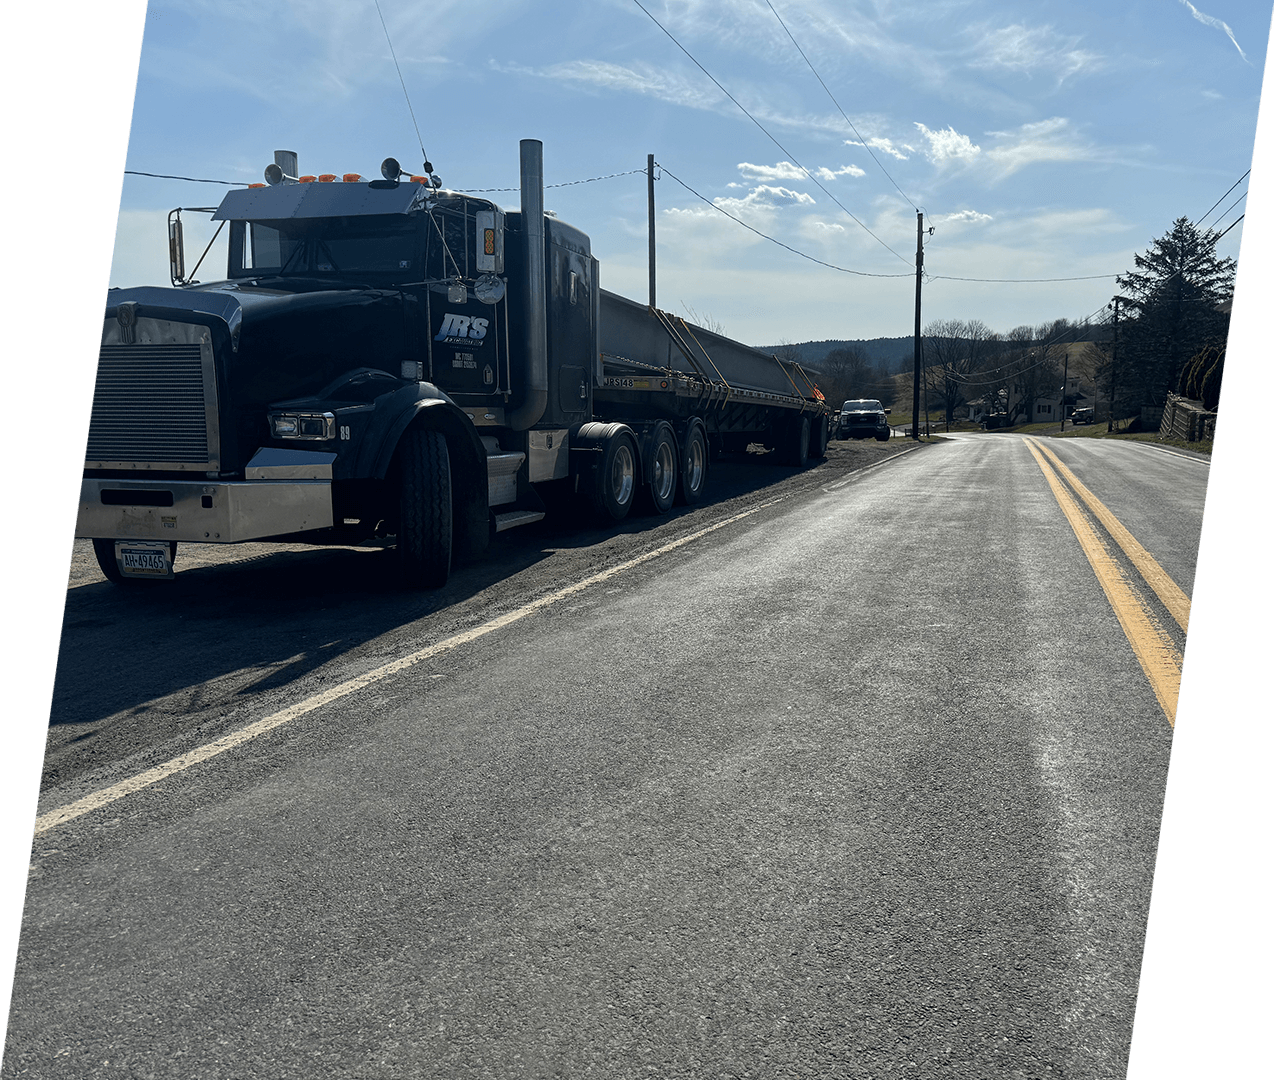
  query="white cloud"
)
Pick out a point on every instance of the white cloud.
point(1209, 20)
point(825, 173)
point(330, 45)
point(1042, 141)
point(1075, 223)
point(948, 145)
point(760, 198)
point(964, 217)
point(1028, 50)
point(640, 78)
point(784, 170)
point(885, 146)
point(690, 89)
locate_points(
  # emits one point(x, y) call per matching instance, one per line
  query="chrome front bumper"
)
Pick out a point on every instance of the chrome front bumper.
point(279, 497)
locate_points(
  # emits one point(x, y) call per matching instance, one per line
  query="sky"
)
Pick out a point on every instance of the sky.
point(1041, 140)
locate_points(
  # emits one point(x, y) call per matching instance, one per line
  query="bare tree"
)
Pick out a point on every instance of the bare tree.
point(954, 350)
point(1032, 369)
point(788, 351)
point(849, 374)
point(704, 321)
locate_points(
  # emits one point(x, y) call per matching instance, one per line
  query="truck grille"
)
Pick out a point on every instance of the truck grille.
point(149, 406)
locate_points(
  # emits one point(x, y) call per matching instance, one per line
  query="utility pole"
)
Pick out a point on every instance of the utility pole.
point(1114, 357)
point(915, 388)
point(1066, 361)
point(650, 210)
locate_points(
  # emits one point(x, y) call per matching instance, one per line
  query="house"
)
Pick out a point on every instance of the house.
point(1079, 361)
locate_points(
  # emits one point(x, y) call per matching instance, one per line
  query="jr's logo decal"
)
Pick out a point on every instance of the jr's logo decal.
point(461, 329)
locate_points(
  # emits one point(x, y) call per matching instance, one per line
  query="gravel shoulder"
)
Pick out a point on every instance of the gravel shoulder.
point(735, 482)
point(148, 671)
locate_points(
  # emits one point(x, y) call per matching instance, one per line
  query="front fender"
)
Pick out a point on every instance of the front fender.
point(425, 404)
point(396, 412)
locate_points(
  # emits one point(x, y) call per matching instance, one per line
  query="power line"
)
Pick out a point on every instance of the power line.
point(464, 191)
point(192, 179)
point(1096, 277)
point(568, 183)
point(788, 247)
point(1232, 224)
point(768, 135)
point(1232, 187)
point(1232, 205)
point(837, 104)
point(1046, 345)
point(1018, 281)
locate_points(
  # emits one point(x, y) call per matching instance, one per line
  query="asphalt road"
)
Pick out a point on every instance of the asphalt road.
point(865, 782)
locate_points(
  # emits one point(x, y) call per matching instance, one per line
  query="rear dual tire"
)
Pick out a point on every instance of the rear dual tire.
point(693, 479)
point(615, 482)
point(663, 468)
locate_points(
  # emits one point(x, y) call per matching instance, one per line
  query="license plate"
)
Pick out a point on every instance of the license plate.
point(139, 559)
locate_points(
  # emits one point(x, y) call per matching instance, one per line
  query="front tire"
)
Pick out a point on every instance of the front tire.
point(424, 509)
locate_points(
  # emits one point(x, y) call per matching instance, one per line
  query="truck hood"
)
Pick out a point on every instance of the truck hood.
point(274, 345)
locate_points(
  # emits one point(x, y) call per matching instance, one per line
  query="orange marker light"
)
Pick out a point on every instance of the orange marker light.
point(351, 178)
point(306, 179)
point(327, 178)
point(420, 179)
point(256, 185)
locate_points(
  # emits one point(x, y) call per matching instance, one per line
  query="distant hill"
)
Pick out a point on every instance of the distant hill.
point(895, 354)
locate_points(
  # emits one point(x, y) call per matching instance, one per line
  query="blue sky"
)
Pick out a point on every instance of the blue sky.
point(1043, 140)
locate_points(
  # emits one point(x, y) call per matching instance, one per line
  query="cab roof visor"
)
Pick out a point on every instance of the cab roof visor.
point(284, 201)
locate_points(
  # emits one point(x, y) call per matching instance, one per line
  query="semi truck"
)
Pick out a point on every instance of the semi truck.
point(388, 358)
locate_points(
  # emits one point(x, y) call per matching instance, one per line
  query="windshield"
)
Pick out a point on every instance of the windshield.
point(318, 246)
point(862, 405)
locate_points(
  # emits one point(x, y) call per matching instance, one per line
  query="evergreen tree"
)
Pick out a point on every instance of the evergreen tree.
point(1177, 290)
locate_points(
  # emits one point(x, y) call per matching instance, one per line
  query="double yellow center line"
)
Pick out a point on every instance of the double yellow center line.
point(1155, 650)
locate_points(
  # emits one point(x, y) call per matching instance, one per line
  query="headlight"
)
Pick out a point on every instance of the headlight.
point(316, 426)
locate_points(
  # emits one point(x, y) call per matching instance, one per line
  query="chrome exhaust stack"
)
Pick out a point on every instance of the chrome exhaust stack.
point(534, 369)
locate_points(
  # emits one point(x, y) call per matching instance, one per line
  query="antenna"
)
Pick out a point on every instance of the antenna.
point(423, 156)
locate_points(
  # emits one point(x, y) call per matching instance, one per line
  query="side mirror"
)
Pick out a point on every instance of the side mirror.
point(176, 249)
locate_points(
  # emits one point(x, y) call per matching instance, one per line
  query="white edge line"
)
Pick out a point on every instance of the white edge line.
point(97, 799)
point(867, 468)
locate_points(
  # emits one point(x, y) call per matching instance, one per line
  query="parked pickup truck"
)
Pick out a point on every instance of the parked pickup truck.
point(862, 418)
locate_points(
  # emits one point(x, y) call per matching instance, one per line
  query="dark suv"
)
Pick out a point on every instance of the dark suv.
point(861, 419)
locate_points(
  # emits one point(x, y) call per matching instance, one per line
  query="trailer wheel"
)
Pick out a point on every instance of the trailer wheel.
point(818, 441)
point(798, 443)
point(615, 482)
point(658, 493)
point(424, 509)
point(694, 466)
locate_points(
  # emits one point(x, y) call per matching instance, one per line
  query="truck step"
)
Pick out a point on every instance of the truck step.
point(502, 477)
point(514, 518)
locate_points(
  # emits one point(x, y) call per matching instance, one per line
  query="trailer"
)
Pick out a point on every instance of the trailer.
point(387, 358)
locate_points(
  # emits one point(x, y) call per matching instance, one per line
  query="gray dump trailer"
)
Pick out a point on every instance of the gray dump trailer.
point(388, 358)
